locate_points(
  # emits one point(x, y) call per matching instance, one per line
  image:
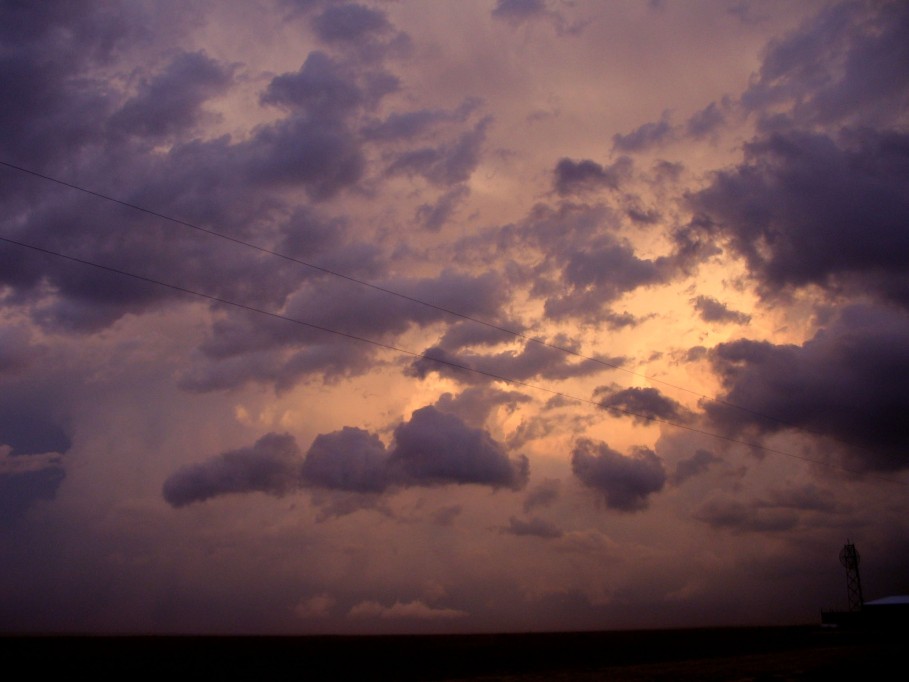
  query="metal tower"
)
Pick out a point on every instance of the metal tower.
point(849, 557)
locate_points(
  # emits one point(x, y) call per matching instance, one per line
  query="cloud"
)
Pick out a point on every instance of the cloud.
point(646, 136)
point(271, 466)
point(438, 448)
point(806, 209)
point(712, 310)
point(321, 87)
point(434, 216)
point(543, 494)
point(518, 11)
point(846, 383)
point(533, 360)
point(20, 490)
point(445, 164)
point(474, 404)
point(398, 126)
point(318, 606)
point(693, 466)
point(535, 527)
point(847, 65)
point(722, 511)
point(625, 482)
point(706, 121)
point(349, 22)
point(576, 177)
point(434, 448)
point(171, 102)
point(350, 459)
point(414, 610)
point(643, 405)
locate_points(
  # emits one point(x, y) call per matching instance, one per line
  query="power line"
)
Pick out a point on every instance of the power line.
point(391, 292)
point(455, 365)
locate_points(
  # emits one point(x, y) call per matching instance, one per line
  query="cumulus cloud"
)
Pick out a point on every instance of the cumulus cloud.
point(413, 610)
point(848, 64)
point(272, 465)
point(846, 383)
point(643, 405)
point(434, 216)
point(448, 163)
point(346, 22)
point(438, 448)
point(171, 101)
point(433, 448)
point(625, 481)
point(646, 136)
point(349, 459)
point(318, 606)
point(474, 404)
point(712, 310)
point(692, 466)
point(533, 360)
point(576, 177)
point(808, 208)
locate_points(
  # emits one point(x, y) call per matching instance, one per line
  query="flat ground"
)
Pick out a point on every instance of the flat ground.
point(766, 654)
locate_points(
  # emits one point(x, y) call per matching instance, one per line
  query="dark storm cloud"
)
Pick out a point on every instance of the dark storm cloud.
point(643, 405)
point(448, 163)
point(50, 109)
point(438, 448)
point(574, 177)
point(349, 22)
point(692, 466)
point(809, 209)
point(171, 101)
point(712, 310)
point(646, 136)
point(625, 482)
point(534, 527)
point(847, 383)
point(351, 459)
point(847, 65)
point(271, 466)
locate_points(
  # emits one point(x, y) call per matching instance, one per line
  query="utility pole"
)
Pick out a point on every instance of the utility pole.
point(849, 557)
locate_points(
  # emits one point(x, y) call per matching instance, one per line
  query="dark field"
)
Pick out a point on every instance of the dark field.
point(794, 653)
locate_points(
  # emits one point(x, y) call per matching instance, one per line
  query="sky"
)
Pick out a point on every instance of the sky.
point(454, 316)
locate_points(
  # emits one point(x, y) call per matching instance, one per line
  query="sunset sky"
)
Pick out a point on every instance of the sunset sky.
point(450, 316)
